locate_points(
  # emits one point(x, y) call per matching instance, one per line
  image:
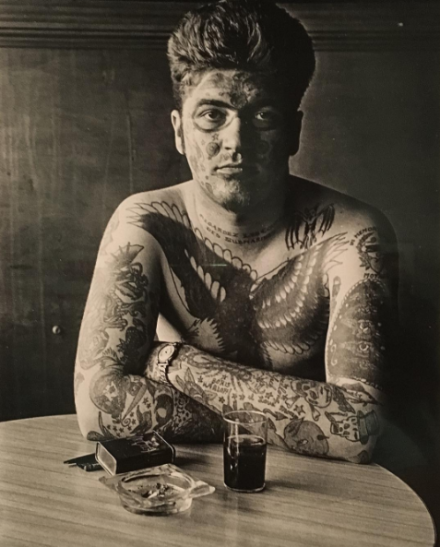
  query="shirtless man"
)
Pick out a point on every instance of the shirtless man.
point(244, 287)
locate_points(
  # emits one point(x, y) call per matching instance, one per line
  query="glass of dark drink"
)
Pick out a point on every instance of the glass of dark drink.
point(244, 450)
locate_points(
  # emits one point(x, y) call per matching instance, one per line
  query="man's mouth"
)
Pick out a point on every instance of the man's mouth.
point(236, 168)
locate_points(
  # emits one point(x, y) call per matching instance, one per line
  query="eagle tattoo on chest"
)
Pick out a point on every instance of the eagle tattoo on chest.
point(225, 307)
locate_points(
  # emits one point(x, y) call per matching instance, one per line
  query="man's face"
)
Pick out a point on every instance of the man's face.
point(236, 136)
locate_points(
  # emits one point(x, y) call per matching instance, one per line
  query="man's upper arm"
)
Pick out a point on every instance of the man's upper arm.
point(363, 316)
point(120, 317)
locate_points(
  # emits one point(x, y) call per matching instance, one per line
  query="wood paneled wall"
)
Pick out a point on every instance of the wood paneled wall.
point(80, 130)
point(84, 104)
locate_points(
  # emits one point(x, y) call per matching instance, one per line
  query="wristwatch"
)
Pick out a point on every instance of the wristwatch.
point(166, 353)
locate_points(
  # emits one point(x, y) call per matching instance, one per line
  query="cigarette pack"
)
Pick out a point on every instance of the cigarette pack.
point(122, 455)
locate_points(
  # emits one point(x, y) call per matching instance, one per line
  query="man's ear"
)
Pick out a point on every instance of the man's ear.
point(295, 126)
point(176, 120)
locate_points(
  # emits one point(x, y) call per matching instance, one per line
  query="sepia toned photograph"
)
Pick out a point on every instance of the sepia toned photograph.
point(219, 273)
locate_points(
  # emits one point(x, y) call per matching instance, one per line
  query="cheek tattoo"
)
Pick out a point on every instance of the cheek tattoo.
point(212, 149)
point(262, 148)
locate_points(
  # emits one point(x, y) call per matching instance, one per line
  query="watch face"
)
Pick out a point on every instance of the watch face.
point(166, 353)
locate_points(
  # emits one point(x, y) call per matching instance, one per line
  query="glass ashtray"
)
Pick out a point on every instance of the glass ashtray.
point(162, 490)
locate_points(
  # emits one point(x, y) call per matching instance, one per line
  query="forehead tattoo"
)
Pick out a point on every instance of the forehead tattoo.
point(239, 87)
point(244, 86)
point(218, 78)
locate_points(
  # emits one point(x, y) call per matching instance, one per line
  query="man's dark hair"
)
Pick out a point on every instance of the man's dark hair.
point(251, 35)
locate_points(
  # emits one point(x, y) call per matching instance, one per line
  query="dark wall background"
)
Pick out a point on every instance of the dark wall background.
point(80, 130)
point(372, 130)
point(84, 104)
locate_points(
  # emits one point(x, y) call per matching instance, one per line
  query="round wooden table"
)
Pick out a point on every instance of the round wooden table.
point(307, 502)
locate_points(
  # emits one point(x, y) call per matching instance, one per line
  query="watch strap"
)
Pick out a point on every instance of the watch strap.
point(164, 362)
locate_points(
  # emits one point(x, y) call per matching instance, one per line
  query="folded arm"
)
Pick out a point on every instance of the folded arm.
point(300, 412)
point(119, 391)
point(113, 398)
point(340, 418)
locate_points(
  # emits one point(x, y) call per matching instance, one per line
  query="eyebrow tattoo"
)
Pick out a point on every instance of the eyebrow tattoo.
point(213, 102)
point(223, 104)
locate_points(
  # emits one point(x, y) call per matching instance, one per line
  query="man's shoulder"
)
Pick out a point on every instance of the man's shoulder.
point(145, 214)
point(334, 211)
point(172, 196)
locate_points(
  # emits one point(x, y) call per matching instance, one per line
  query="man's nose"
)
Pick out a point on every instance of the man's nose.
point(237, 136)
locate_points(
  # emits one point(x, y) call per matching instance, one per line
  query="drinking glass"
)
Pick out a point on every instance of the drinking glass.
point(244, 450)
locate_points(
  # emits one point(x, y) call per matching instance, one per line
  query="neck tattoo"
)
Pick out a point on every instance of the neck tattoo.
point(239, 236)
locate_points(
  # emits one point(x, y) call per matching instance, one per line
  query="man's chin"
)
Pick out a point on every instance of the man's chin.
point(237, 204)
point(230, 194)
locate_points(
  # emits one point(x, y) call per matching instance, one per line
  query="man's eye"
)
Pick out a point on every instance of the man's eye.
point(213, 115)
point(210, 118)
point(264, 115)
point(266, 119)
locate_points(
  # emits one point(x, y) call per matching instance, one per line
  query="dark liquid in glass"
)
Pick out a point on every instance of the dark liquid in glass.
point(244, 458)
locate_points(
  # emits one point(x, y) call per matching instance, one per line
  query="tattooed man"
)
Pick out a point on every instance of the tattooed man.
point(245, 287)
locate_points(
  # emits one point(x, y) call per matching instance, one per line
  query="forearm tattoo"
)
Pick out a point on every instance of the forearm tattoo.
point(143, 405)
point(305, 416)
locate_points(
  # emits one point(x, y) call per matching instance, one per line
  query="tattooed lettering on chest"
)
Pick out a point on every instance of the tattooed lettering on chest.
point(229, 309)
point(236, 238)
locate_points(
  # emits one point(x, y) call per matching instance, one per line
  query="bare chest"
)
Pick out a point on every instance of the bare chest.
point(270, 312)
